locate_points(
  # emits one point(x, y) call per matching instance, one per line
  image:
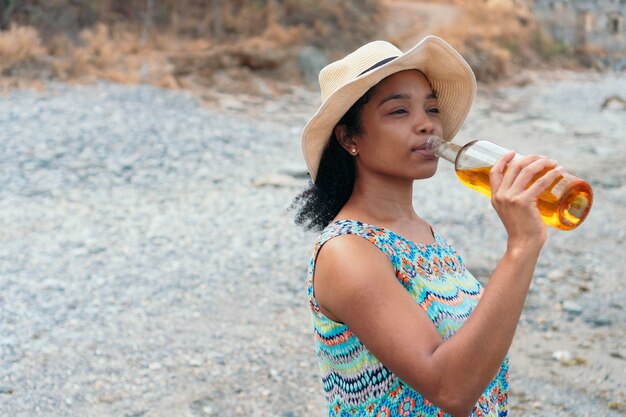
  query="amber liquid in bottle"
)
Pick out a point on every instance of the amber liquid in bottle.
point(564, 204)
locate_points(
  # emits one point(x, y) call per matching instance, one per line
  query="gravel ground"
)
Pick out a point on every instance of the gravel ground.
point(149, 265)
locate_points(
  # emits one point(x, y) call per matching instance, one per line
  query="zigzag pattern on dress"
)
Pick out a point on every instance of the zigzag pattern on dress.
point(350, 389)
point(355, 382)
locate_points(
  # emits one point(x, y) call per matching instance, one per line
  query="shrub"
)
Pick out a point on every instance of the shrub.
point(19, 46)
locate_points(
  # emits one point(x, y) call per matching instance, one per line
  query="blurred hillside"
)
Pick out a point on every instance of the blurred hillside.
point(253, 46)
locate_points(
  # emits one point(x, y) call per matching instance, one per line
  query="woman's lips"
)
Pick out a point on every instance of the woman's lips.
point(422, 152)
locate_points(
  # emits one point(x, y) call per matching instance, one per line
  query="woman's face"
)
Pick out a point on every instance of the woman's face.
point(396, 122)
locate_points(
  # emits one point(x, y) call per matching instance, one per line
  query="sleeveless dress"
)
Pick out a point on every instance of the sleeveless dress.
point(355, 382)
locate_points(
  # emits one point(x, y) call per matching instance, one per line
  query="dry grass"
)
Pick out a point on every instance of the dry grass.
point(188, 43)
point(19, 47)
point(180, 43)
point(495, 37)
point(499, 39)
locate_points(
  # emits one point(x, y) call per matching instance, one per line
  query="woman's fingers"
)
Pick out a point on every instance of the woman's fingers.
point(545, 181)
point(529, 172)
point(496, 174)
point(516, 184)
point(514, 168)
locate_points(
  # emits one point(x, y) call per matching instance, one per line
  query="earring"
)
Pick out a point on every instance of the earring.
point(353, 150)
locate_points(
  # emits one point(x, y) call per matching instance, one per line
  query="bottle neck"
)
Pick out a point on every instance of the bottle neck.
point(441, 148)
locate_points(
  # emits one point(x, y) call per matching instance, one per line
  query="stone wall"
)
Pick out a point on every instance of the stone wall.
point(598, 23)
point(593, 25)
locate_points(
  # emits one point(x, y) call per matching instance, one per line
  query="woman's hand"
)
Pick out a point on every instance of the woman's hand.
point(516, 202)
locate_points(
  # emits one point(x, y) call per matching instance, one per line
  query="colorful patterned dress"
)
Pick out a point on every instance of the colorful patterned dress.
point(355, 382)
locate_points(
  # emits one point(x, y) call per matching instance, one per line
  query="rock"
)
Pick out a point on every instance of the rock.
point(155, 366)
point(311, 60)
point(108, 398)
point(277, 180)
point(231, 103)
point(572, 308)
point(275, 375)
point(296, 171)
point(195, 362)
point(587, 133)
point(524, 79)
point(566, 358)
point(551, 126)
point(600, 321)
point(556, 274)
point(617, 405)
point(562, 355)
point(204, 407)
point(613, 103)
point(263, 88)
point(583, 288)
point(261, 56)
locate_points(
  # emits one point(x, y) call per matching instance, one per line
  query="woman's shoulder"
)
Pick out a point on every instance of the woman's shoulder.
point(350, 226)
point(350, 235)
point(341, 231)
point(356, 227)
point(381, 236)
point(345, 266)
point(352, 241)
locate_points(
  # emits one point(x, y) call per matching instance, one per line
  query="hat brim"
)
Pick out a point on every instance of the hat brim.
point(450, 76)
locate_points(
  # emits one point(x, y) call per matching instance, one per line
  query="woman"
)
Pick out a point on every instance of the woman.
point(401, 327)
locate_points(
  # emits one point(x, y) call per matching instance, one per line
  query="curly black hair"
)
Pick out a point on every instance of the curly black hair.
point(320, 202)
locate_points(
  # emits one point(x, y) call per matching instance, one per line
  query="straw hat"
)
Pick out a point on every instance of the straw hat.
point(343, 82)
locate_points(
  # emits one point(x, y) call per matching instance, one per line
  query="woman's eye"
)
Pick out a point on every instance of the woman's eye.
point(433, 110)
point(399, 111)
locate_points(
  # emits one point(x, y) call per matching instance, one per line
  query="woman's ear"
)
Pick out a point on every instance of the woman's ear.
point(346, 141)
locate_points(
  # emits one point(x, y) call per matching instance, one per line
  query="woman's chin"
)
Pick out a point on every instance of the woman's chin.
point(428, 172)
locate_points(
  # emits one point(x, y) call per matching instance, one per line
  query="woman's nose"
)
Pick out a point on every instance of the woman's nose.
point(424, 125)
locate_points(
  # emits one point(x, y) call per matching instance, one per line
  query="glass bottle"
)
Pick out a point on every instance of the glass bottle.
point(564, 204)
